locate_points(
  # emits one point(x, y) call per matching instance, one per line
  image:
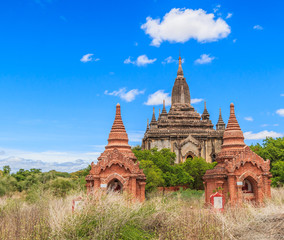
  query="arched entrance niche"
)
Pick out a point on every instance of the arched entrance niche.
point(189, 156)
point(249, 189)
point(115, 185)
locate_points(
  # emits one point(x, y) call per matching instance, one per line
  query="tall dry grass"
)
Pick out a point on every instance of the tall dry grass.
point(114, 216)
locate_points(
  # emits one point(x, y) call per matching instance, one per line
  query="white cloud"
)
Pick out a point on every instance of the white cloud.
point(258, 27)
point(47, 160)
point(88, 58)
point(136, 44)
point(229, 15)
point(250, 119)
point(181, 25)
point(135, 136)
point(128, 60)
point(234, 40)
point(204, 59)
point(261, 135)
point(196, 100)
point(217, 8)
point(142, 60)
point(282, 95)
point(280, 112)
point(157, 98)
point(123, 94)
point(264, 125)
point(170, 59)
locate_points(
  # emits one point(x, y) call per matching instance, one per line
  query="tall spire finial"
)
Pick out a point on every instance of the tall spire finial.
point(180, 71)
point(220, 124)
point(205, 115)
point(147, 125)
point(153, 121)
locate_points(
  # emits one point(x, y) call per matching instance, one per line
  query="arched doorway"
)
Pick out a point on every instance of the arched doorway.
point(249, 189)
point(190, 156)
point(115, 185)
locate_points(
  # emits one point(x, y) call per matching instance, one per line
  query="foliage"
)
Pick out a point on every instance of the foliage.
point(160, 169)
point(277, 173)
point(197, 167)
point(34, 181)
point(273, 149)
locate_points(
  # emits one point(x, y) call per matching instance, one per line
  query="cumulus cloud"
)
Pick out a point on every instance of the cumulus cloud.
point(181, 25)
point(196, 100)
point(142, 60)
point(280, 112)
point(20, 163)
point(257, 27)
point(128, 96)
point(170, 59)
point(261, 135)
point(47, 160)
point(250, 119)
point(229, 15)
point(88, 58)
point(204, 59)
point(157, 98)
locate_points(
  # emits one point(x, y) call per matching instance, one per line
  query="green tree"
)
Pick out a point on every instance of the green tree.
point(277, 173)
point(6, 170)
point(272, 149)
point(196, 168)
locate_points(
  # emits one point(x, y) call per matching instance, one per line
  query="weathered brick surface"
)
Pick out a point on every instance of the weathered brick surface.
point(117, 165)
point(240, 173)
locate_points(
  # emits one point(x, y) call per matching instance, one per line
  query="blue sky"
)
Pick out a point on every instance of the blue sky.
point(65, 64)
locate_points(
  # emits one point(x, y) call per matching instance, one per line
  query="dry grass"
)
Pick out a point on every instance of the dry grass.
point(161, 217)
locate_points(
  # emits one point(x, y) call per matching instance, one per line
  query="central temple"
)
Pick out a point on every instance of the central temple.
point(182, 129)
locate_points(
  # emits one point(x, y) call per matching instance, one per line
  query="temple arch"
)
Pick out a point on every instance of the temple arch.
point(115, 185)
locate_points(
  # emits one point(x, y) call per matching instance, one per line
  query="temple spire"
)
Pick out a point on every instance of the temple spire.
point(205, 115)
point(147, 125)
point(220, 124)
point(153, 121)
point(233, 136)
point(180, 71)
point(164, 111)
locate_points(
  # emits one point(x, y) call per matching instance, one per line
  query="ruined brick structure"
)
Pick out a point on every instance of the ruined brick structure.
point(117, 168)
point(182, 129)
point(240, 173)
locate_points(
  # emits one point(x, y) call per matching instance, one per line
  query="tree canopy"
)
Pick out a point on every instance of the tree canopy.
point(161, 170)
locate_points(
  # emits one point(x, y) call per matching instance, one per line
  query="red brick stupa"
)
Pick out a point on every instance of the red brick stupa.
point(117, 168)
point(240, 175)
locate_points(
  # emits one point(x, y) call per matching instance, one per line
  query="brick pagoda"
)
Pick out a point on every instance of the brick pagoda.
point(240, 173)
point(117, 168)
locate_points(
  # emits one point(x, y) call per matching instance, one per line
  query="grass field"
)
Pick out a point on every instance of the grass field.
point(174, 216)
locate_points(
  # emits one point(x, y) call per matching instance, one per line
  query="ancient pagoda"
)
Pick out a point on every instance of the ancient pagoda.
point(240, 175)
point(182, 129)
point(117, 168)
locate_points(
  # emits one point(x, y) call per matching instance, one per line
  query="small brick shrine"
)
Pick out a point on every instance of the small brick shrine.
point(117, 168)
point(240, 174)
